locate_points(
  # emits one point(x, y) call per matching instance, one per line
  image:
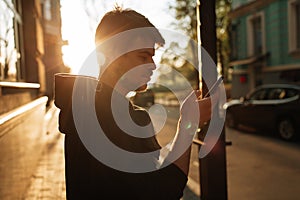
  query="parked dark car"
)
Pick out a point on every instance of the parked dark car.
point(274, 107)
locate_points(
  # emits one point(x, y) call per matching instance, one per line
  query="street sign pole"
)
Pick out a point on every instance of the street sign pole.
point(212, 168)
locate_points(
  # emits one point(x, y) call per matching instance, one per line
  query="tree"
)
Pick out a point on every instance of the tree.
point(212, 169)
point(186, 14)
point(172, 62)
point(223, 7)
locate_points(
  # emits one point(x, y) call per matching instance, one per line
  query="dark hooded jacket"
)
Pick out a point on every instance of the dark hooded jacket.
point(87, 177)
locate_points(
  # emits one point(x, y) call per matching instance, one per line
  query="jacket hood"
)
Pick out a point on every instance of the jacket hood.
point(63, 94)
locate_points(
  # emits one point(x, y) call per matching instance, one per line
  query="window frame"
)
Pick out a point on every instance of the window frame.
point(250, 35)
point(14, 7)
point(234, 41)
point(292, 28)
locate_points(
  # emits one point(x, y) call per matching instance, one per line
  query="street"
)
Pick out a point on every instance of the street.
point(262, 167)
point(258, 167)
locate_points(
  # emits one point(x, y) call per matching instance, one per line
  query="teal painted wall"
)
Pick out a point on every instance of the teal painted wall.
point(276, 42)
point(276, 30)
point(241, 40)
point(273, 33)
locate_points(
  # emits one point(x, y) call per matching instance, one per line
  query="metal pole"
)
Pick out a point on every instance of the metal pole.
point(212, 168)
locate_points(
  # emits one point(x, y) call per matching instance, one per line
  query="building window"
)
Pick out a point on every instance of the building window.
point(234, 42)
point(256, 40)
point(294, 26)
point(9, 47)
point(257, 35)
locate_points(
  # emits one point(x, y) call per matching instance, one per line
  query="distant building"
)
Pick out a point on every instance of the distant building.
point(265, 46)
point(30, 49)
point(30, 53)
point(52, 42)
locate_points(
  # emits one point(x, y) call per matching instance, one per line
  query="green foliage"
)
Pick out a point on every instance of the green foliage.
point(186, 15)
point(223, 7)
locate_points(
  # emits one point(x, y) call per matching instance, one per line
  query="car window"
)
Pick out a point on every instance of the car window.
point(259, 95)
point(291, 93)
point(277, 93)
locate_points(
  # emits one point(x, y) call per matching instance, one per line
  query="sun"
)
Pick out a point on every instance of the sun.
point(78, 33)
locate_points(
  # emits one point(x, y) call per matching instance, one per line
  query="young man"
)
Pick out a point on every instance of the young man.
point(126, 43)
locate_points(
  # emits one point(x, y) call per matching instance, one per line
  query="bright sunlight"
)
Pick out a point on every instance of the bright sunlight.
point(80, 18)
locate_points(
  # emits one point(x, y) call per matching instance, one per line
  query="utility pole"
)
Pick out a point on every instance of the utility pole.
point(212, 168)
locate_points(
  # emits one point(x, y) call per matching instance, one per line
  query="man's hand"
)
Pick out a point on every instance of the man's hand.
point(204, 106)
point(188, 124)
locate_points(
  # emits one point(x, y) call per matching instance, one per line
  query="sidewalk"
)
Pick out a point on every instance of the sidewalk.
point(48, 182)
point(257, 168)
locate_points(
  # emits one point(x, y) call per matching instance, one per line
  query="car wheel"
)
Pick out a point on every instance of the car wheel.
point(230, 120)
point(286, 129)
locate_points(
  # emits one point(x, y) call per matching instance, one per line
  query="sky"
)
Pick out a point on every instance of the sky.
point(79, 29)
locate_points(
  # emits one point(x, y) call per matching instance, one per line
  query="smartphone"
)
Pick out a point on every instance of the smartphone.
point(214, 87)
